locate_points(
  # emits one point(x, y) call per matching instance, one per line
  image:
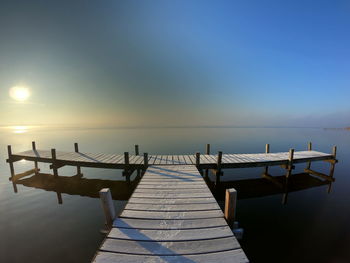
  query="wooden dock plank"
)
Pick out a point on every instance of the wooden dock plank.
point(169, 223)
point(170, 248)
point(234, 256)
point(170, 235)
point(175, 207)
point(202, 200)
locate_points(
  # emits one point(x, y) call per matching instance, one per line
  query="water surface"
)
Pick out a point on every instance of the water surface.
point(61, 221)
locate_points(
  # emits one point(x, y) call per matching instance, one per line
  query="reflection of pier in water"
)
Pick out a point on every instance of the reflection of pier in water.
point(76, 185)
point(122, 190)
point(266, 186)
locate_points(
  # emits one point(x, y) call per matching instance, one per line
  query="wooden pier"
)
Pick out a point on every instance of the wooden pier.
point(171, 217)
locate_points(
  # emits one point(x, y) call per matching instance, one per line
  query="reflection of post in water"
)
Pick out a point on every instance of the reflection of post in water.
point(59, 198)
point(77, 186)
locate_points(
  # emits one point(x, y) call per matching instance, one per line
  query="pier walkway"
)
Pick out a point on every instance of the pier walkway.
point(204, 161)
point(171, 217)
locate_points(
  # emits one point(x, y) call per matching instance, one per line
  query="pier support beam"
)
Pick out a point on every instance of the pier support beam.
point(35, 162)
point(332, 162)
point(230, 206)
point(267, 150)
point(10, 161)
point(107, 206)
point(136, 149)
point(290, 163)
point(309, 148)
point(145, 161)
point(207, 152)
point(198, 162)
point(54, 162)
point(218, 163)
point(76, 149)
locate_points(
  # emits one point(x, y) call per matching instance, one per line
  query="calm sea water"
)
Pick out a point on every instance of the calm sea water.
point(61, 221)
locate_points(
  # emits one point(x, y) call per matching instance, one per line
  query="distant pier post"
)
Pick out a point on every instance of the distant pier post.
point(198, 159)
point(218, 163)
point(267, 150)
point(107, 206)
point(230, 205)
point(76, 149)
point(35, 162)
point(54, 163)
point(10, 161)
point(207, 150)
point(145, 160)
point(333, 162)
point(126, 163)
point(309, 148)
point(290, 163)
point(136, 149)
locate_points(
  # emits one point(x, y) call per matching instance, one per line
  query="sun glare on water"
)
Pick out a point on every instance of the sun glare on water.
point(19, 93)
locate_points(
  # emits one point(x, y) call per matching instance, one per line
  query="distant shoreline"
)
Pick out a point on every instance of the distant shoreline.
point(346, 128)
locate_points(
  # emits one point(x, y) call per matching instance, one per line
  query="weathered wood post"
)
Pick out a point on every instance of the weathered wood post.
point(54, 163)
point(290, 163)
point(145, 161)
point(333, 162)
point(218, 163)
point(76, 149)
point(107, 206)
point(35, 162)
point(198, 159)
point(230, 205)
point(10, 161)
point(207, 150)
point(126, 164)
point(309, 148)
point(136, 149)
point(267, 150)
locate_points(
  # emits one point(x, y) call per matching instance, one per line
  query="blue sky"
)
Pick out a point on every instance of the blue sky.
point(130, 63)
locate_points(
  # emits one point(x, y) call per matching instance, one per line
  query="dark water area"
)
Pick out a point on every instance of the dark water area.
point(60, 220)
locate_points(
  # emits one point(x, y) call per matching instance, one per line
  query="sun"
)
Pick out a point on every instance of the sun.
point(19, 93)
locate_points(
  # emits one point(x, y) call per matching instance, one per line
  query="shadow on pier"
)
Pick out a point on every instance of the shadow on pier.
point(122, 190)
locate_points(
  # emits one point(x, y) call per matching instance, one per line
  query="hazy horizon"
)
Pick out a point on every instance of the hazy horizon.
point(180, 63)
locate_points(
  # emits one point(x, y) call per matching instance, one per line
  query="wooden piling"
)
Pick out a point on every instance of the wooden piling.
point(219, 160)
point(10, 161)
point(207, 150)
point(76, 149)
point(309, 148)
point(267, 150)
point(107, 206)
point(126, 158)
point(290, 163)
point(334, 153)
point(230, 205)
point(54, 163)
point(136, 149)
point(35, 162)
point(198, 159)
point(145, 160)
